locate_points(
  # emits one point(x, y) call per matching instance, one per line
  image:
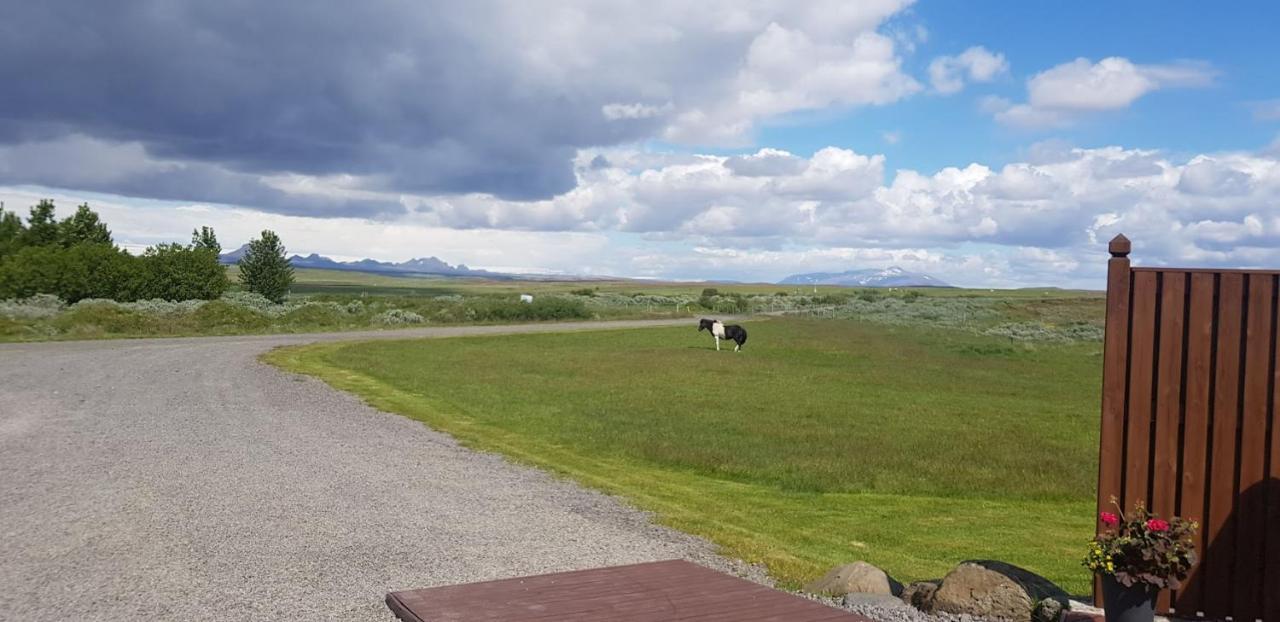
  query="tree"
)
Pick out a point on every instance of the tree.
point(205, 238)
point(42, 228)
point(265, 269)
point(11, 232)
point(73, 273)
point(177, 272)
point(83, 227)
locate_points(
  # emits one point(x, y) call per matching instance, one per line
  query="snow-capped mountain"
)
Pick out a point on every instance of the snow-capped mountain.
point(887, 277)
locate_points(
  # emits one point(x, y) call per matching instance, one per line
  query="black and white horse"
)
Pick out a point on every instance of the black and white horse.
point(718, 330)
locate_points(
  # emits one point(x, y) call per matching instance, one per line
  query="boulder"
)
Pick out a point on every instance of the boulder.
point(858, 577)
point(858, 601)
point(1048, 610)
point(920, 594)
point(995, 591)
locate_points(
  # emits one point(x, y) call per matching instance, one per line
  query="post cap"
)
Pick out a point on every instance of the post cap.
point(1119, 246)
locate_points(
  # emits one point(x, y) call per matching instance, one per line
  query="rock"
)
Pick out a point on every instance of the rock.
point(994, 590)
point(1048, 610)
point(920, 594)
point(862, 600)
point(858, 577)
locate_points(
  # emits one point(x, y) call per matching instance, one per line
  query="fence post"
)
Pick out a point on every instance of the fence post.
point(1115, 374)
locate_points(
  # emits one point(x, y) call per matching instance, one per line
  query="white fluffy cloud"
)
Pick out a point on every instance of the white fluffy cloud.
point(948, 74)
point(763, 215)
point(1064, 93)
point(796, 67)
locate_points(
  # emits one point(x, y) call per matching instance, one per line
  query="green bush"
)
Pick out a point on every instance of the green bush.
point(73, 273)
point(395, 317)
point(223, 315)
point(315, 314)
point(103, 317)
point(542, 308)
point(177, 272)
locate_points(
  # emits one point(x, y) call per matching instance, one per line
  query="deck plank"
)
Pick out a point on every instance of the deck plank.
point(654, 591)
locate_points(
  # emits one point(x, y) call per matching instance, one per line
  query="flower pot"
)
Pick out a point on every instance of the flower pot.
point(1127, 604)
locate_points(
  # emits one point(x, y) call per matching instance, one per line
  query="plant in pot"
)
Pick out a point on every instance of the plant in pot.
point(1136, 556)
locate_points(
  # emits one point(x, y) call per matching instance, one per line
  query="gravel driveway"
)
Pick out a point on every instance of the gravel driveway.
point(181, 479)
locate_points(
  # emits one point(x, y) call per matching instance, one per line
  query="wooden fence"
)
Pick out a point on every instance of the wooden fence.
point(1189, 423)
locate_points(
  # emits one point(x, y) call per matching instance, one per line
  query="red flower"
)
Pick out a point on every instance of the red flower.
point(1109, 519)
point(1156, 524)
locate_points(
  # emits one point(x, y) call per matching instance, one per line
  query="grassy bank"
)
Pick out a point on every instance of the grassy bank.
point(327, 300)
point(911, 447)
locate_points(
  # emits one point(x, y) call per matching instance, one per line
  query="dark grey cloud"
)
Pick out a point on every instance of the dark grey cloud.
point(418, 96)
point(82, 163)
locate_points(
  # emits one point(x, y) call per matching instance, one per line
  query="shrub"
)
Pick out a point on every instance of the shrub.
point(555, 308)
point(250, 300)
point(177, 272)
point(315, 314)
point(395, 317)
point(585, 291)
point(104, 316)
point(223, 315)
point(39, 306)
point(73, 273)
point(542, 308)
point(157, 306)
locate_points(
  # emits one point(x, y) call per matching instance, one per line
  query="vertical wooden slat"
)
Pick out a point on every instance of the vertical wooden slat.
point(1271, 572)
point(1195, 435)
point(1115, 374)
point(1142, 344)
point(1271, 578)
point(1115, 378)
point(1218, 525)
point(1251, 509)
point(1168, 408)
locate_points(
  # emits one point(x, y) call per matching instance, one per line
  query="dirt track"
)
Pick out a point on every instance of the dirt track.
point(181, 479)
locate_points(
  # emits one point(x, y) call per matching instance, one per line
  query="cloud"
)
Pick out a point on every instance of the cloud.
point(616, 112)
point(1065, 93)
point(948, 74)
point(1268, 110)
point(81, 162)
point(420, 98)
point(765, 214)
point(787, 69)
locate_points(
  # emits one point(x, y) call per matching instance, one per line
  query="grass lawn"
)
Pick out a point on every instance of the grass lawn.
point(825, 441)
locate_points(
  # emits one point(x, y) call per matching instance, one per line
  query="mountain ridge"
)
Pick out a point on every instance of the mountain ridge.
point(418, 265)
point(892, 276)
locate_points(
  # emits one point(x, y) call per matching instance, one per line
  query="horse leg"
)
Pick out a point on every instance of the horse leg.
point(717, 344)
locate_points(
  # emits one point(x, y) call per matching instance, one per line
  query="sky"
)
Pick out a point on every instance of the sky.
point(993, 144)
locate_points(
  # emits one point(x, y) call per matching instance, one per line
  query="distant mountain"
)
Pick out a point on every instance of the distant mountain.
point(233, 257)
point(888, 277)
point(423, 265)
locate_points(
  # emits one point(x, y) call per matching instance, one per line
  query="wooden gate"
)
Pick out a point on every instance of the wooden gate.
point(1189, 423)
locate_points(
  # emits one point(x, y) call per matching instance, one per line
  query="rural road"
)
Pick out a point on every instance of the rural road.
point(181, 479)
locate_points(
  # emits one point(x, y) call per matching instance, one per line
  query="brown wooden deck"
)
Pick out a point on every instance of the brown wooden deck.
point(652, 592)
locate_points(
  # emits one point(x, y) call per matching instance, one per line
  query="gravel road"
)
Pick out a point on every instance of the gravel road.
point(181, 479)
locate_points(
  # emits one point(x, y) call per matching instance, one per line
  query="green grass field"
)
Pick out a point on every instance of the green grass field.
point(824, 442)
